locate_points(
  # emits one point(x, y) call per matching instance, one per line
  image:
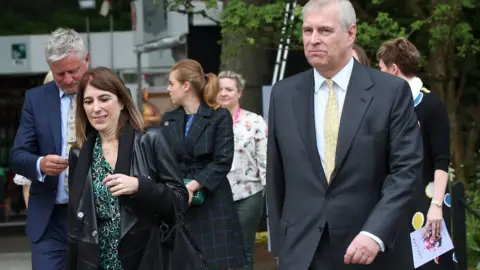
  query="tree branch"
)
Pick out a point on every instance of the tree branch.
point(471, 147)
point(189, 10)
point(463, 77)
point(415, 9)
point(362, 13)
point(456, 8)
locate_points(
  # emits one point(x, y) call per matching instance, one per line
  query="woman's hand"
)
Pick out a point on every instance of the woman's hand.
point(120, 184)
point(434, 221)
point(192, 186)
point(190, 195)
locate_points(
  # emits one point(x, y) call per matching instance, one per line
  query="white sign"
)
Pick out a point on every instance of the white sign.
point(86, 4)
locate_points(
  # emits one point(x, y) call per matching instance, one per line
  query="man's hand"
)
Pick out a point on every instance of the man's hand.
point(53, 165)
point(120, 184)
point(362, 250)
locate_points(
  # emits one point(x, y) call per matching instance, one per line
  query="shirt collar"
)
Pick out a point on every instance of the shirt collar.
point(342, 78)
point(416, 86)
point(63, 94)
point(60, 92)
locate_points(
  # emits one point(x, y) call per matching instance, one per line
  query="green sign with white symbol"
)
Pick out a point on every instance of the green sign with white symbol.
point(19, 54)
point(19, 51)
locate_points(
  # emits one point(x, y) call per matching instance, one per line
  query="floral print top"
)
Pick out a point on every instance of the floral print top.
point(248, 173)
point(107, 211)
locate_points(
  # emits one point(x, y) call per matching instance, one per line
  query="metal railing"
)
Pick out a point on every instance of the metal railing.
point(459, 223)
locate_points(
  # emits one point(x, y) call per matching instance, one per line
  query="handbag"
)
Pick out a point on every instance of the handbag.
point(172, 248)
point(198, 196)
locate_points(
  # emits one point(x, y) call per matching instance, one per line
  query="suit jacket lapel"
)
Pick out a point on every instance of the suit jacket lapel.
point(174, 123)
point(52, 100)
point(303, 104)
point(200, 121)
point(357, 100)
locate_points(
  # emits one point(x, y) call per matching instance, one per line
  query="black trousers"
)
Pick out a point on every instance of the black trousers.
point(323, 258)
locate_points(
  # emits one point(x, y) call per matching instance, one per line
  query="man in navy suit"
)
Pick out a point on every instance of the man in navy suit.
point(41, 148)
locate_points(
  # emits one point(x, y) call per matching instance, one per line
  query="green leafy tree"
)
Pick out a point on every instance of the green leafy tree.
point(443, 30)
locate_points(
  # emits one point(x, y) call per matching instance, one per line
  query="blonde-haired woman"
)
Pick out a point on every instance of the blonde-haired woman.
point(247, 175)
point(20, 179)
point(201, 135)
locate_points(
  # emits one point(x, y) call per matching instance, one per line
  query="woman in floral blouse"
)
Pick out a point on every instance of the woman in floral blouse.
point(247, 175)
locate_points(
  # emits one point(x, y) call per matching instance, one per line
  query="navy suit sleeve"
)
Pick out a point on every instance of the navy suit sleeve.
point(25, 148)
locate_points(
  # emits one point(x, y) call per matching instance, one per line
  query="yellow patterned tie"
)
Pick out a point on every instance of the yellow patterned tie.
point(331, 126)
point(71, 137)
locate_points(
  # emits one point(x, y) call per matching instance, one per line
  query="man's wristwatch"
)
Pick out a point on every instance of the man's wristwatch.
point(437, 203)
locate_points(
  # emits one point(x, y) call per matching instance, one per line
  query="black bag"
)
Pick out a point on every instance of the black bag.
point(172, 248)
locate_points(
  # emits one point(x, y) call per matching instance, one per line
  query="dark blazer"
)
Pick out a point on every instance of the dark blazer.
point(378, 161)
point(147, 157)
point(206, 155)
point(39, 134)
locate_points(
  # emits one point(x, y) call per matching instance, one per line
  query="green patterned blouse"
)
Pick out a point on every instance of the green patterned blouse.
point(107, 211)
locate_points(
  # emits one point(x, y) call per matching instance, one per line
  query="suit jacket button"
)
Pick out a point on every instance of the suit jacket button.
point(166, 123)
point(94, 233)
point(80, 215)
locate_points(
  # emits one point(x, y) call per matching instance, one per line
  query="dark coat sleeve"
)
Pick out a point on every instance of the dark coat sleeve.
point(71, 241)
point(275, 181)
point(405, 167)
point(160, 185)
point(218, 169)
point(25, 152)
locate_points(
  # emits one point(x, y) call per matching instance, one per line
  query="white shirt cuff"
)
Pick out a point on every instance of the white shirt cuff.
point(40, 176)
point(376, 239)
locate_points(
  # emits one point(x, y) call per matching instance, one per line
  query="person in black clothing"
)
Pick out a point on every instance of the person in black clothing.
point(200, 134)
point(431, 205)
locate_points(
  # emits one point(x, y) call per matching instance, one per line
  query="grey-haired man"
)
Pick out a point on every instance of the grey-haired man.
point(41, 147)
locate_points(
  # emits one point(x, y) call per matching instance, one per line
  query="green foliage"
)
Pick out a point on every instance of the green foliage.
point(473, 224)
point(446, 24)
point(258, 25)
point(261, 25)
point(473, 230)
point(371, 35)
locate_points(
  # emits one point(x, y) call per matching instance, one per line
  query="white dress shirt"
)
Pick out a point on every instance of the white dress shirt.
point(340, 85)
point(62, 195)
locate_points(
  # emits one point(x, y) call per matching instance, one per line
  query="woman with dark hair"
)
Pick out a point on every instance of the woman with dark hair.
point(201, 135)
point(115, 198)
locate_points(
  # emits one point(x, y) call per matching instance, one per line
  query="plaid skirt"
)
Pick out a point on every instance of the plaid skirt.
point(216, 229)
